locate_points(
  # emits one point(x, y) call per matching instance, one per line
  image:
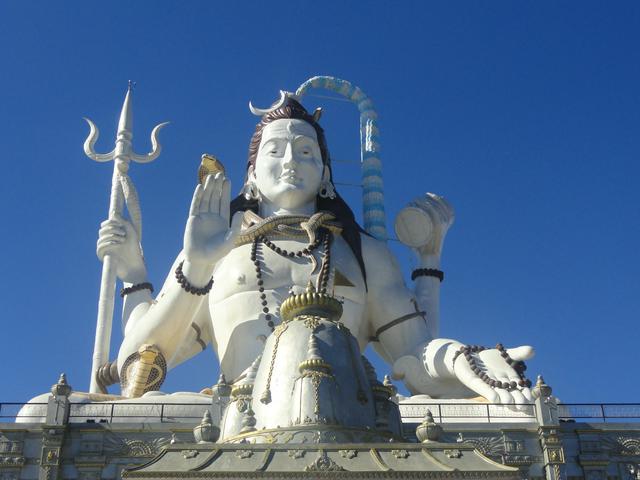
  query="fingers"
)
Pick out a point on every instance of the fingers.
point(478, 386)
point(105, 244)
point(526, 393)
point(442, 204)
point(211, 197)
point(518, 397)
point(117, 221)
point(206, 194)
point(522, 353)
point(505, 396)
point(111, 229)
point(438, 208)
point(194, 209)
point(112, 232)
point(225, 199)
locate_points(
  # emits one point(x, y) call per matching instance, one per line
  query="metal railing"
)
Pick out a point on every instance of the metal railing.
point(108, 412)
point(410, 412)
point(12, 410)
point(604, 412)
point(480, 412)
point(135, 412)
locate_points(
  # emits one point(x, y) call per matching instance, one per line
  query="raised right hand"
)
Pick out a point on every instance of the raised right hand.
point(208, 237)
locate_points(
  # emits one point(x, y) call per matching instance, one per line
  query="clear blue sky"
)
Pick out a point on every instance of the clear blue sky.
point(525, 115)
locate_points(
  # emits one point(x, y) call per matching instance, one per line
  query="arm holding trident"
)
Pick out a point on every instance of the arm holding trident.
point(122, 192)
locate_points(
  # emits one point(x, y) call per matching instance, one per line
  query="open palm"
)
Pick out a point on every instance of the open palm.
point(208, 237)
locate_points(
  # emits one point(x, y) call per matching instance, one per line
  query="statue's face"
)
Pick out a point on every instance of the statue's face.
point(289, 165)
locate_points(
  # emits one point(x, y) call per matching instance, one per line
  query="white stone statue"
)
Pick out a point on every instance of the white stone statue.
point(241, 259)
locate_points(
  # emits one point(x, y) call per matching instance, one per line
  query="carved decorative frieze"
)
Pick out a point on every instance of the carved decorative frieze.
point(189, 454)
point(402, 453)
point(297, 453)
point(348, 454)
point(453, 453)
point(10, 446)
point(520, 460)
point(116, 446)
point(11, 452)
point(12, 461)
point(490, 446)
point(244, 453)
point(622, 445)
point(323, 464)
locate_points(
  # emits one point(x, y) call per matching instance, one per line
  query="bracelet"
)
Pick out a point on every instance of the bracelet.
point(135, 288)
point(427, 272)
point(184, 283)
point(467, 350)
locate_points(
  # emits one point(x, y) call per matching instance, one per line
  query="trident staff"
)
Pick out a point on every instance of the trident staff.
point(123, 193)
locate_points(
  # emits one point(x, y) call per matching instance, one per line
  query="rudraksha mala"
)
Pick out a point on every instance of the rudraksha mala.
point(427, 272)
point(184, 283)
point(135, 288)
point(468, 350)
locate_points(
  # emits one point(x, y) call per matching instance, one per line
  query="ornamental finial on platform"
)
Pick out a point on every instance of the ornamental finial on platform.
point(62, 388)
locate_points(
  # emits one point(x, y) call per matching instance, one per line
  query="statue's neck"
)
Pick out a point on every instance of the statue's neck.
point(268, 209)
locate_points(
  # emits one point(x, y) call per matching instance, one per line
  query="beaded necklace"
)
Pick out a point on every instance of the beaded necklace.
point(323, 278)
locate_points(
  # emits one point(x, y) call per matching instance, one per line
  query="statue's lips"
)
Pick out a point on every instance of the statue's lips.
point(290, 177)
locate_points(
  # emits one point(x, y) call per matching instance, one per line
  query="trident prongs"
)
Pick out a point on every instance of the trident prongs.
point(156, 148)
point(94, 133)
point(123, 150)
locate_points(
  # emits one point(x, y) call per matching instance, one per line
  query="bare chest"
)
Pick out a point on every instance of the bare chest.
point(238, 273)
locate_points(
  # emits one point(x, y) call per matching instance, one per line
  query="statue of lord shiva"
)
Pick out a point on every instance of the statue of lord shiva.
point(287, 228)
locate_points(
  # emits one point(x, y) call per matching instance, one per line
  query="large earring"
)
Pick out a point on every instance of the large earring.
point(327, 190)
point(250, 190)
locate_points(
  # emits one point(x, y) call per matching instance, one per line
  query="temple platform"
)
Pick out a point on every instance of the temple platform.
point(114, 440)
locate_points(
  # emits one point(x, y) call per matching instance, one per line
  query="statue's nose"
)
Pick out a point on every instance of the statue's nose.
point(288, 158)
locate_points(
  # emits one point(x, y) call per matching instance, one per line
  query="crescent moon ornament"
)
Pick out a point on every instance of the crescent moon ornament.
point(281, 101)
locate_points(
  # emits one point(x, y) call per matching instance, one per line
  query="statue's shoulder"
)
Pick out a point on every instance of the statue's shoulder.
point(376, 253)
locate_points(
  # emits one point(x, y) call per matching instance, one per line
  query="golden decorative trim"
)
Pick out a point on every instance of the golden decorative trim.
point(382, 389)
point(310, 302)
point(314, 364)
point(244, 389)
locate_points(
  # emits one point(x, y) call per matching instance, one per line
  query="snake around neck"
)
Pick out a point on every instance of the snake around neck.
point(297, 226)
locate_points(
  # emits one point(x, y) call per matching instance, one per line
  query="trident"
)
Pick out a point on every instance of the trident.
point(122, 191)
